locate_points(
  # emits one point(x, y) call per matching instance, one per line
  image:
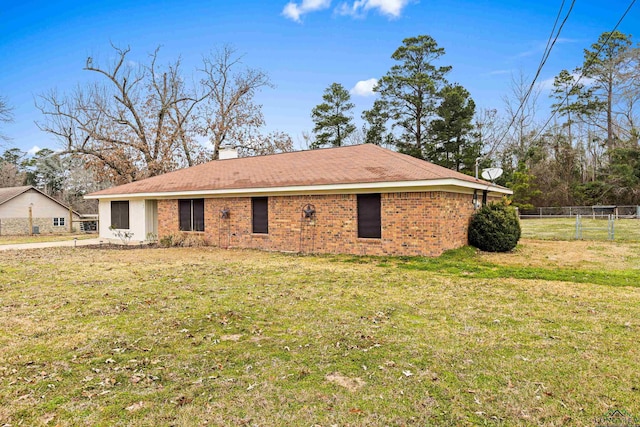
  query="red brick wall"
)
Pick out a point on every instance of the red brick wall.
point(167, 217)
point(426, 223)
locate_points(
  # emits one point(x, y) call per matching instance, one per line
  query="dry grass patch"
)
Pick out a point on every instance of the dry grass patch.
point(351, 384)
point(625, 230)
point(169, 336)
point(574, 254)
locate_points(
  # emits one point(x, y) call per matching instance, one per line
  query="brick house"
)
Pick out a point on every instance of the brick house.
point(21, 206)
point(360, 199)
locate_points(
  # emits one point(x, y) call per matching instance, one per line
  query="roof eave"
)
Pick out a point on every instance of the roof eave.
point(446, 184)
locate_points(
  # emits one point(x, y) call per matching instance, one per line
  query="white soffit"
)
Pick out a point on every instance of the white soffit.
point(447, 185)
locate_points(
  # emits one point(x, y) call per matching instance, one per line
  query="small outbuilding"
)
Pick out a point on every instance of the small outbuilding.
point(361, 199)
point(25, 210)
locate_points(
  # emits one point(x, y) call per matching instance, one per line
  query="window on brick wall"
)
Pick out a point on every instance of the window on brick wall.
point(369, 220)
point(191, 214)
point(120, 214)
point(58, 222)
point(260, 215)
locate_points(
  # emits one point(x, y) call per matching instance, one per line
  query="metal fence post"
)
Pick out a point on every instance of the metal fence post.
point(611, 227)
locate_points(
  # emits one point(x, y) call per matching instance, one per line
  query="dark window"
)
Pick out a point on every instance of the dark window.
point(369, 223)
point(260, 214)
point(191, 214)
point(120, 214)
point(58, 222)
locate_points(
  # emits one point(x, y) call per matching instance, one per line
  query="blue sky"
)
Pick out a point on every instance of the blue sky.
point(304, 45)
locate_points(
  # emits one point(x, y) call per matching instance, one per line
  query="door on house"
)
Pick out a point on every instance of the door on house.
point(151, 220)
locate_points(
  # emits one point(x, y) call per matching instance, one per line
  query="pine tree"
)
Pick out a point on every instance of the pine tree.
point(332, 118)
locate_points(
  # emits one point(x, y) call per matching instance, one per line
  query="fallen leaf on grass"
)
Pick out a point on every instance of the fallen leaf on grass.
point(135, 407)
point(234, 337)
point(183, 400)
point(47, 418)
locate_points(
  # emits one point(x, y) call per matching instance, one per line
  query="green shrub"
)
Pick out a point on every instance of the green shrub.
point(494, 228)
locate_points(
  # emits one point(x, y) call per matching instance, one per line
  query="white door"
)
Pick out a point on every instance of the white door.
point(151, 220)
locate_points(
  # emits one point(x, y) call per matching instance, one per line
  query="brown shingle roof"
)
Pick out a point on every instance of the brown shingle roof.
point(9, 193)
point(343, 165)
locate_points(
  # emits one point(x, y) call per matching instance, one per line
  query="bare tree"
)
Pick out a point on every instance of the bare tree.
point(229, 113)
point(6, 115)
point(272, 143)
point(141, 121)
point(489, 128)
point(306, 140)
point(521, 110)
point(130, 125)
point(629, 97)
point(10, 175)
point(357, 137)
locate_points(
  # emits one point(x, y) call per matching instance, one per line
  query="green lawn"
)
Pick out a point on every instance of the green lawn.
point(547, 335)
point(593, 229)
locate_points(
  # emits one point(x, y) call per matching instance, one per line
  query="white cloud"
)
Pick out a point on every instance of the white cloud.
point(33, 150)
point(499, 72)
point(391, 8)
point(562, 40)
point(387, 7)
point(364, 87)
point(547, 84)
point(295, 10)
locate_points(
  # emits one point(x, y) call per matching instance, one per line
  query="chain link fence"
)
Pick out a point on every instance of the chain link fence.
point(594, 212)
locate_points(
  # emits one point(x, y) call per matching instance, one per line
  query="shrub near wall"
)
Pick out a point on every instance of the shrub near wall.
point(494, 228)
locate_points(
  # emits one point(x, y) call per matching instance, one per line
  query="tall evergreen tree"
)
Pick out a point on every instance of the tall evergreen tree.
point(333, 118)
point(605, 64)
point(411, 88)
point(377, 117)
point(571, 98)
point(47, 170)
point(624, 174)
point(454, 146)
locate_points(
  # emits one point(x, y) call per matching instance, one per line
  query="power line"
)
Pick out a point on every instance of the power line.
point(543, 61)
point(590, 62)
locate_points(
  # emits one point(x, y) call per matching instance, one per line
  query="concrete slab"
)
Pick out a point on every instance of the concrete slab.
point(39, 245)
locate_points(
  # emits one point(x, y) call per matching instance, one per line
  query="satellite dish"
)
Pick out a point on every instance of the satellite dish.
point(491, 174)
